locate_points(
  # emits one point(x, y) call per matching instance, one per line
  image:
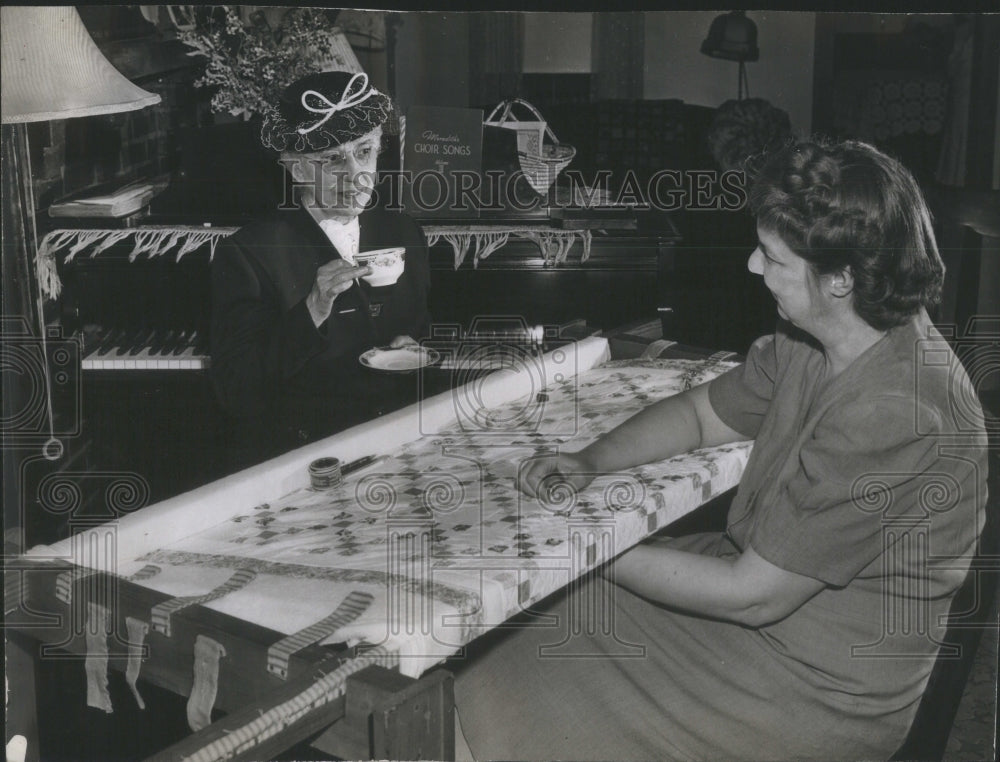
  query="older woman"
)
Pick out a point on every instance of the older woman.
point(808, 629)
point(291, 313)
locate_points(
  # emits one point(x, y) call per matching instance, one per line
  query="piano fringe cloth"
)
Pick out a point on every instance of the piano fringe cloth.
point(554, 245)
point(154, 241)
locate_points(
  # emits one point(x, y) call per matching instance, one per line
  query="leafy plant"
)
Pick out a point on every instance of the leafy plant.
point(250, 64)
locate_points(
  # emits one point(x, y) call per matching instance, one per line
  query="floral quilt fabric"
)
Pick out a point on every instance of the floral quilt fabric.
point(438, 535)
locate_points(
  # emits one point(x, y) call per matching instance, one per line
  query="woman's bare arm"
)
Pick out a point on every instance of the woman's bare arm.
point(747, 590)
point(672, 426)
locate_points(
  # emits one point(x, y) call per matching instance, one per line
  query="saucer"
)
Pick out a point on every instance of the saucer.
point(400, 360)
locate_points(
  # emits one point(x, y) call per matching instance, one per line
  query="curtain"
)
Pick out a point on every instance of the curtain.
point(617, 56)
point(496, 40)
point(954, 148)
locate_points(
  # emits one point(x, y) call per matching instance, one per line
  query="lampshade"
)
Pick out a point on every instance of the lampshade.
point(52, 69)
point(342, 57)
point(732, 36)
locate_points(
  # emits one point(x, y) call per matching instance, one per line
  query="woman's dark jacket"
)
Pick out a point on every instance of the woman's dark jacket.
point(270, 364)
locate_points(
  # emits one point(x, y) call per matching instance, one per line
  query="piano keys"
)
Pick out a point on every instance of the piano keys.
point(153, 349)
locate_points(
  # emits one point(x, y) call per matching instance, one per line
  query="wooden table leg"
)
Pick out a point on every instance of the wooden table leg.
point(391, 716)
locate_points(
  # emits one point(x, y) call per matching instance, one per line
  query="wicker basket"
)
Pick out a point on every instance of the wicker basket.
point(541, 162)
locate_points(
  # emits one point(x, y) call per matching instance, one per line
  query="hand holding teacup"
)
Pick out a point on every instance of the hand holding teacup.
point(332, 279)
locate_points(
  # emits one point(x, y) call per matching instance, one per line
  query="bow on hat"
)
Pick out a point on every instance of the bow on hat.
point(323, 110)
point(356, 92)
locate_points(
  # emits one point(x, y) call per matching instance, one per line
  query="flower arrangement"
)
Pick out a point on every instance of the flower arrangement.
point(251, 63)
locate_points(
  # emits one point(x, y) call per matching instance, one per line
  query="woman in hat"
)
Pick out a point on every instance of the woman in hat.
point(291, 313)
point(807, 629)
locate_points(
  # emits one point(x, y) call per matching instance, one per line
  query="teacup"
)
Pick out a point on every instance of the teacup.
point(386, 265)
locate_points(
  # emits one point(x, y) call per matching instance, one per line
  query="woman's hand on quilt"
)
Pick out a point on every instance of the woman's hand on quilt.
point(554, 479)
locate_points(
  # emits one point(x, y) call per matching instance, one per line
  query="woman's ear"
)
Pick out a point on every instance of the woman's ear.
point(841, 283)
point(293, 164)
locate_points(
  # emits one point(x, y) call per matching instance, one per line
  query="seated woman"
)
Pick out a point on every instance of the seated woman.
point(290, 312)
point(808, 629)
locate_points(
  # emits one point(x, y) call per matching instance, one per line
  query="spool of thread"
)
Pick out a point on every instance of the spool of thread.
point(325, 473)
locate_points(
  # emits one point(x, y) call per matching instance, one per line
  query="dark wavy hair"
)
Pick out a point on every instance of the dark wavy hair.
point(746, 128)
point(848, 205)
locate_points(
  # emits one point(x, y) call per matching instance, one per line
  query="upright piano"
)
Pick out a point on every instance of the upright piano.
point(152, 313)
point(141, 323)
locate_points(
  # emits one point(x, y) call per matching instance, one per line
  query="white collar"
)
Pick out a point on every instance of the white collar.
point(345, 236)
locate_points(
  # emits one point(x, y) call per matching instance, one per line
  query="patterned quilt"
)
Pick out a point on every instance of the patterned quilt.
point(437, 543)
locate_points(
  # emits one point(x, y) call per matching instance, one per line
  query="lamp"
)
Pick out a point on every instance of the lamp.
point(733, 37)
point(52, 69)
